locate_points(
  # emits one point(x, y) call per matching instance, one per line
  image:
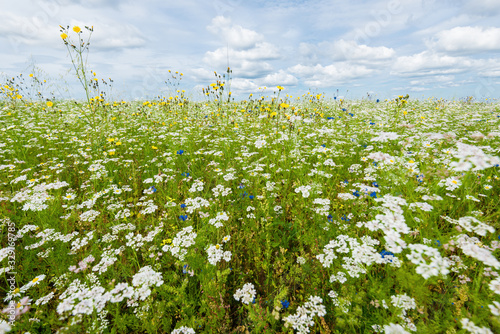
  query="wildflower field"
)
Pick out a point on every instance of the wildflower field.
point(274, 214)
point(270, 215)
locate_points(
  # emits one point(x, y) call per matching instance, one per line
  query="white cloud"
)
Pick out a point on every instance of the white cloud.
point(429, 63)
point(345, 50)
point(240, 86)
point(234, 35)
point(26, 30)
point(467, 40)
point(249, 63)
point(350, 50)
point(280, 78)
point(433, 80)
point(482, 7)
point(331, 75)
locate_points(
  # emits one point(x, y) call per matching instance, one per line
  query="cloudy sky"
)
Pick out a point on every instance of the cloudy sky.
point(426, 48)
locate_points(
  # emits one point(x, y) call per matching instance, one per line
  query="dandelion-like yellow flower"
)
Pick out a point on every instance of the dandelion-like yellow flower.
point(49, 104)
point(77, 29)
point(31, 75)
point(64, 36)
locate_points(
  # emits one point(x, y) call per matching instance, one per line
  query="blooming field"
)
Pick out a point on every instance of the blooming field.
point(263, 216)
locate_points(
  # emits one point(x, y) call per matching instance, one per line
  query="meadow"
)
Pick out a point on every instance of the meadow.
point(269, 215)
point(274, 214)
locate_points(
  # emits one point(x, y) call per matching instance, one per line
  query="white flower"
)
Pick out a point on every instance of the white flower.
point(479, 228)
point(183, 330)
point(495, 286)
point(89, 216)
point(246, 294)
point(147, 277)
point(472, 328)
point(260, 143)
point(303, 318)
point(495, 308)
point(394, 329)
point(437, 266)
point(304, 190)
point(4, 327)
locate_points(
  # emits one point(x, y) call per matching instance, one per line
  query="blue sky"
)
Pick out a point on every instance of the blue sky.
point(426, 48)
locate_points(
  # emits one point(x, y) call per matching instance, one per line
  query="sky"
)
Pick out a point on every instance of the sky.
point(357, 49)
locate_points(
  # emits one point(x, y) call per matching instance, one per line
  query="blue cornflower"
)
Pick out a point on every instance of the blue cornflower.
point(251, 196)
point(153, 188)
point(378, 100)
point(183, 206)
point(438, 243)
point(345, 181)
point(375, 163)
point(183, 217)
point(344, 109)
point(323, 145)
point(241, 186)
point(356, 193)
point(334, 97)
point(330, 218)
point(352, 115)
point(371, 123)
point(285, 303)
point(384, 253)
point(179, 152)
point(344, 218)
point(184, 270)
point(253, 301)
point(330, 117)
point(375, 184)
point(373, 194)
point(185, 174)
point(244, 194)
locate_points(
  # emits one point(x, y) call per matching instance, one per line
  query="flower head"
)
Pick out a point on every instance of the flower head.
point(64, 36)
point(77, 29)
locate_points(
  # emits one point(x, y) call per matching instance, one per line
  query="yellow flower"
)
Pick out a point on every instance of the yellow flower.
point(64, 36)
point(77, 29)
point(154, 147)
point(49, 104)
point(118, 143)
point(284, 105)
point(31, 75)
